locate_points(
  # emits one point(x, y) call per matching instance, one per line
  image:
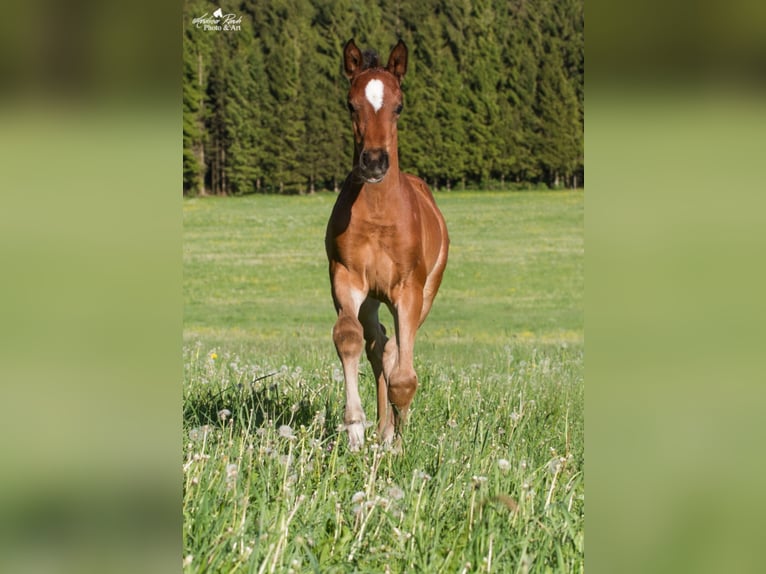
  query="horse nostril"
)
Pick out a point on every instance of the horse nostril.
point(374, 159)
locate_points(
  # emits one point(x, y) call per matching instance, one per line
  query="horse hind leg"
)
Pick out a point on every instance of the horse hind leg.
point(376, 345)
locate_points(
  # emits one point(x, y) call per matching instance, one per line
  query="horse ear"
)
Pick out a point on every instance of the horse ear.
point(352, 59)
point(397, 61)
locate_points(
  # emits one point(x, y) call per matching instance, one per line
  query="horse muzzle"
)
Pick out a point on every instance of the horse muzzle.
point(373, 164)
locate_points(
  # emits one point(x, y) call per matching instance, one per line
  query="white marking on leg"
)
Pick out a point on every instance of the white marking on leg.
point(354, 411)
point(355, 436)
point(374, 93)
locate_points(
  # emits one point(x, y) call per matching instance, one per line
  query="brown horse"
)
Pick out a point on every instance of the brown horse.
point(386, 243)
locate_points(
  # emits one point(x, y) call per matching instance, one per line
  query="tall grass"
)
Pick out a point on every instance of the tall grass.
point(490, 477)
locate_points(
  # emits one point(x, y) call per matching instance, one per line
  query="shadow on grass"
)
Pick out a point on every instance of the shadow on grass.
point(256, 404)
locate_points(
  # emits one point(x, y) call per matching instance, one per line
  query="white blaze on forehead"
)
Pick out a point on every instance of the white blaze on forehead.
point(374, 93)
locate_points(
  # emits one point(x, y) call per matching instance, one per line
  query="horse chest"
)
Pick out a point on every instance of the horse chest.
point(378, 252)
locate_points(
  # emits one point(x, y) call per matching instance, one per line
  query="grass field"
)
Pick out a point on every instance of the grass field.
point(491, 478)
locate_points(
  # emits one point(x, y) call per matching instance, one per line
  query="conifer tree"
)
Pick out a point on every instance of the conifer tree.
point(494, 91)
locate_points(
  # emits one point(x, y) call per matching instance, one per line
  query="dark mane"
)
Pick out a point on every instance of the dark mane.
point(370, 59)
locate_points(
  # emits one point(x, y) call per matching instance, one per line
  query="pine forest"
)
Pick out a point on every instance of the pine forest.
point(493, 93)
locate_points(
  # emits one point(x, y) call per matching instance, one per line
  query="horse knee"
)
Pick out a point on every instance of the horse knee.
point(347, 336)
point(401, 387)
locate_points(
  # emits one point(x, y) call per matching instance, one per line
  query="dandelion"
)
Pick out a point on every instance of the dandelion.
point(224, 414)
point(422, 475)
point(395, 493)
point(402, 535)
point(213, 355)
point(452, 423)
point(187, 560)
point(358, 497)
point(286, 459)
point(553, 465)
point(199, 433)
point(515, 417)
point(478, 480)
point(286, 432)
point(232, 471)
point(523, 464)
point(503, 465)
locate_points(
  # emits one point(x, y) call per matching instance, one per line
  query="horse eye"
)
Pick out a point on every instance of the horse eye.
point(350, 107)
point(398, 109)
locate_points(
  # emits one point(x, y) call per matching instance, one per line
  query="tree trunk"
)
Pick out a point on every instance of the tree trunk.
point(200, 151)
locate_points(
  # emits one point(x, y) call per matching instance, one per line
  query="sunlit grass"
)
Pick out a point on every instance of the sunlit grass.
point(491, 473)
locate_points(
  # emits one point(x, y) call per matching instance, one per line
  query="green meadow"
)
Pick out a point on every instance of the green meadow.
point(491, 473)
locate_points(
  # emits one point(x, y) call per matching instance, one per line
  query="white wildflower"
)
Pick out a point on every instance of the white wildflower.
point(232, 471)
point(394, 492)
point(478, 480)
point(199, 433)
point(286, 459)
point(286, 432)
point(422, 475)
point(503, 465)
point(224, 414)
point(358, 497)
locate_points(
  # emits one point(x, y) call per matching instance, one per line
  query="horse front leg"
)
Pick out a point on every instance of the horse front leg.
point(347, 334)
point(402, 380)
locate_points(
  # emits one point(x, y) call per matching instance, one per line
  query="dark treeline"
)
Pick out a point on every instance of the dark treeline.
point(493, 93)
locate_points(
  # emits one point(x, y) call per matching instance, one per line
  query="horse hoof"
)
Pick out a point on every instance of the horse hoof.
point(355, 436)
point(387, 436)
point(395, 446)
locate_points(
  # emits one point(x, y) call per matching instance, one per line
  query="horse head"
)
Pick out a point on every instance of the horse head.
point(375, 102)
